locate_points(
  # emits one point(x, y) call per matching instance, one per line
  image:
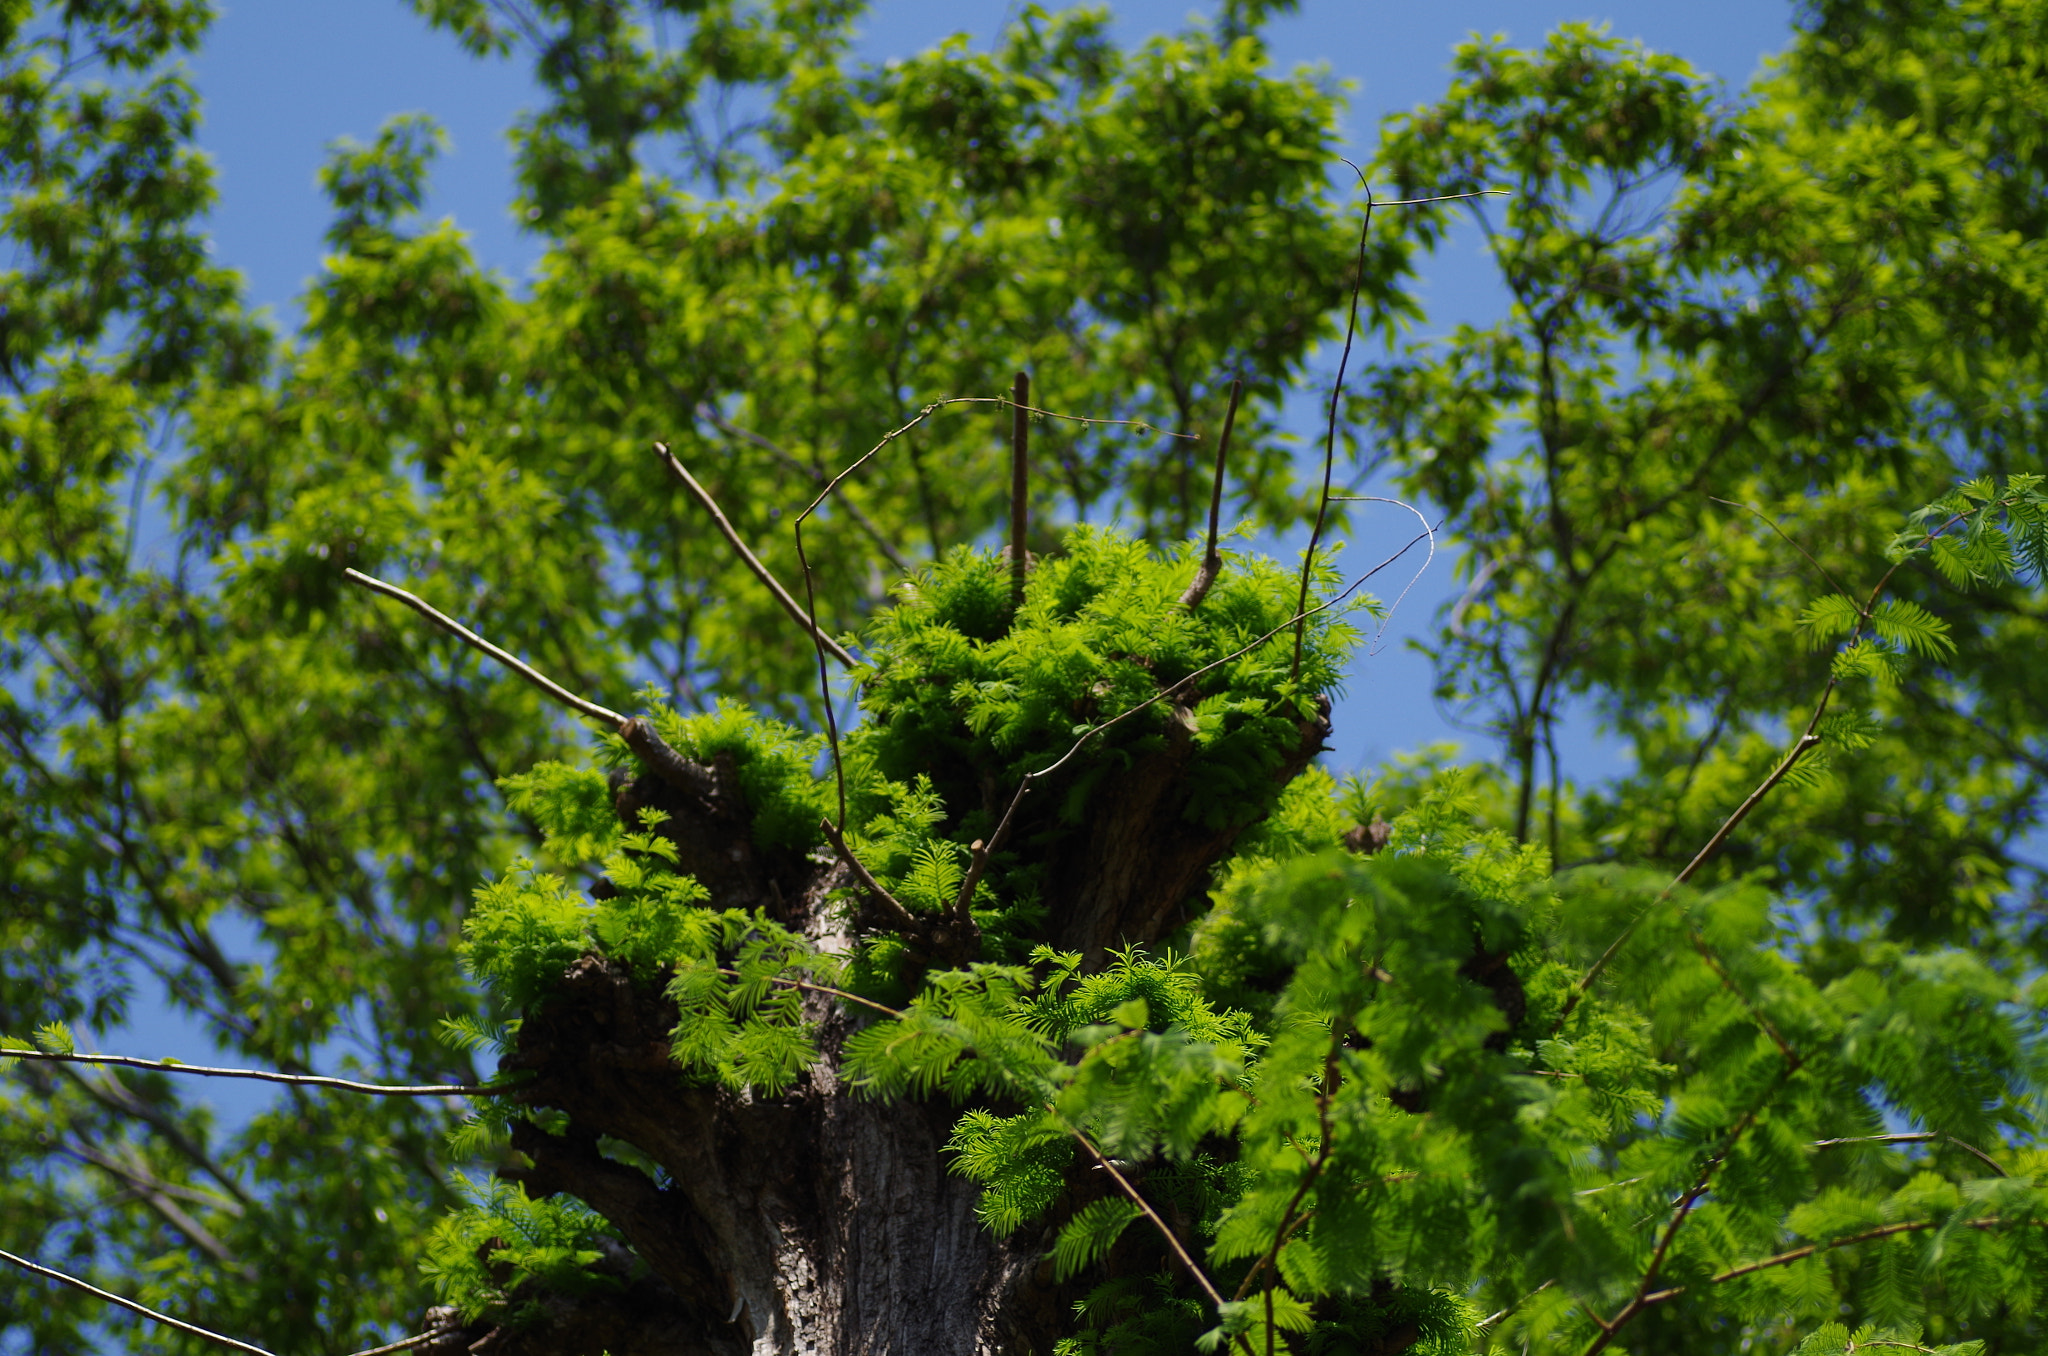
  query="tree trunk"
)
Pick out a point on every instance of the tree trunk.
point(820, 1221)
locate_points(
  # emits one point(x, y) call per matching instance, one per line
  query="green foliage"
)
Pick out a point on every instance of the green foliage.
point(495, 1254)
point(954, 685)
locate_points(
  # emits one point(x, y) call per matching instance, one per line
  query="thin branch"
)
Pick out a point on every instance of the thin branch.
point(262, 1075)
point(808, 987)
point(1500, 1314)
point(1916, 1137)
point(900, 916)
point(710, 415)
point(143, 1309)
point(1791, 541)
point(804, 563)
point(1801, 1254)
point(1315, 536)
point(1428, 531)
point(753, 562)
point(1123, 1184)
point(1020, 485)
point(455, 628)
point(403, 1344)
point(1212, 563)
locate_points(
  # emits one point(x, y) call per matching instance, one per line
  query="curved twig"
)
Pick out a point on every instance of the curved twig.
point(1428, 531)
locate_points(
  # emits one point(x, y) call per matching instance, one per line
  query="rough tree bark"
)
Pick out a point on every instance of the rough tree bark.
point(821, 1221)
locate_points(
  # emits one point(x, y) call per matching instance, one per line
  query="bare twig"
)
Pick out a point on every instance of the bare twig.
point(1315, 536)
point(1790, 540)
point(262, 1075)
point(1801, 1254)
point(1201, 1277)
point(1020, 485)
point(710, 415)
point(455, 628)
point(1212, 563)
point(753, 562)
point(899, 915)
point(826, 989)
point(180, 1324)
point(1915, 1137)
point(1500, 1314)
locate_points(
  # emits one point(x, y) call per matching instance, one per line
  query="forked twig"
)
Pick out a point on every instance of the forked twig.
point(753, 562)
point(261, 1075)
point(1315, 536)
point(804, 562)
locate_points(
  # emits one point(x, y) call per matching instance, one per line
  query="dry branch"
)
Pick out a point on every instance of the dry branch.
point(262, 1075)
point(1212, 563)
point(219, 1339)
point(581, 705)
point(753, 562)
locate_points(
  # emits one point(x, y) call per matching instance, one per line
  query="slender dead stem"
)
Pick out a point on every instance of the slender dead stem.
point(804, 562)
point(1208, 1286)
point(1801, 1254)
point(455, 628)
point(1315, 536)
point(1020, 485)
point(753, 562)
point(207, 1334)
point(262, 1075)
point(1212, 563)
point(898, 914)
point(797, 464)
point(808, 987)
point(1428, 530)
